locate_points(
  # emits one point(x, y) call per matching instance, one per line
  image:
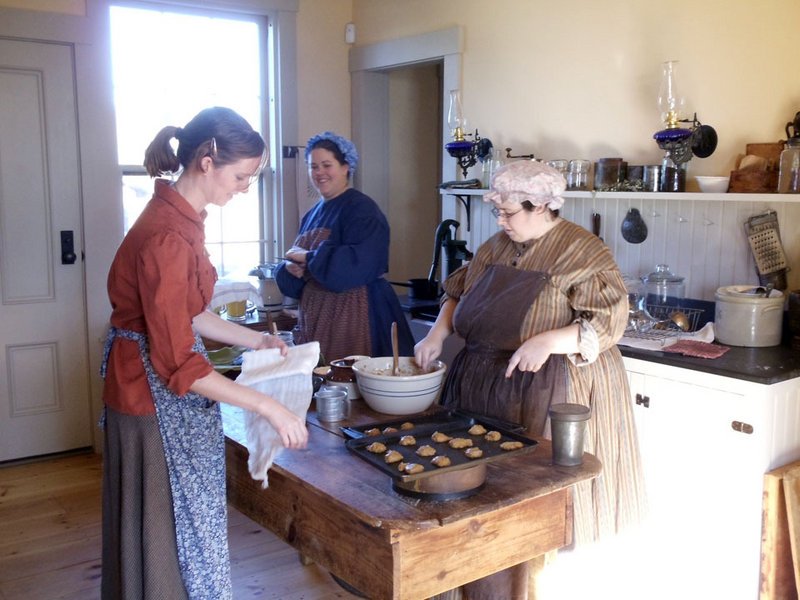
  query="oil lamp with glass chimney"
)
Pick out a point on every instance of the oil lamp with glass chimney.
point(679, 142)
point(466, 152)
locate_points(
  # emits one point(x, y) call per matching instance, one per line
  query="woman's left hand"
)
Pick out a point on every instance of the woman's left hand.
point(535, 351)
point(530, 356)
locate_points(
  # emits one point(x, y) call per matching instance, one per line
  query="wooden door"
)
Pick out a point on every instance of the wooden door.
point(44, 379)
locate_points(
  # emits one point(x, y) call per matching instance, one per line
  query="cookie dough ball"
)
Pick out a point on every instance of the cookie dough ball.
point(441, 461)
point(493, 436)
point(412, 468)
point(392, 456)
point(388, 430)
point(477, 429)
point(406, 426)
point(459, 443)
point(372, 432)
point(408, 440)
point(426, 450)
point(440, 437)
point(473, 453)
point(508, 446)
point(376, 448)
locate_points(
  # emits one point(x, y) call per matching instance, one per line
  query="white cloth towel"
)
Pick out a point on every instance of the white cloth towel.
point(229, 290)
point(658, 340)
point(288, 380)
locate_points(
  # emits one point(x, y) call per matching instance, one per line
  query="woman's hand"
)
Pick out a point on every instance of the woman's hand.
point(430, 347)
point(297, 261)
point(427, 350)
point(535, 351)
point(272, 341)
point(530, 356)
point(291, 428)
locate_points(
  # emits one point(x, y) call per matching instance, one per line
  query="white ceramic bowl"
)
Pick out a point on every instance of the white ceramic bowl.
point(401, 394)
point(713, 185)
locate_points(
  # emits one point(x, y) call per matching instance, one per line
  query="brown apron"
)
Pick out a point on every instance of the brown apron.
point(489, 318)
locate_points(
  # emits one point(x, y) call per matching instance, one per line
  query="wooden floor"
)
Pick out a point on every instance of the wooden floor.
point(50, 541)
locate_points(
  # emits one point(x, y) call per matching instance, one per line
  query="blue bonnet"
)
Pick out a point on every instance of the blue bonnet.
point(346, 147)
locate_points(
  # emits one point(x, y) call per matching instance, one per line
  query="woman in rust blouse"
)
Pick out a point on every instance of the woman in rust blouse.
point(164, 507)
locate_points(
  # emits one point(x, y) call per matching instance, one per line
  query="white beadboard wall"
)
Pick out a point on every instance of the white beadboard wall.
point(700, 236)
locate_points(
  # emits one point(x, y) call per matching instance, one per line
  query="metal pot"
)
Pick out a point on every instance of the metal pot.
point(742, 317)
point(421, 289)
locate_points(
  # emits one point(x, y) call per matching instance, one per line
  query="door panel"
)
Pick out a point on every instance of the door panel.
point(44, 394)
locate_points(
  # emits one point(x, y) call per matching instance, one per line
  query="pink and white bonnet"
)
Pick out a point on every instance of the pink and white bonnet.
point(529, 180)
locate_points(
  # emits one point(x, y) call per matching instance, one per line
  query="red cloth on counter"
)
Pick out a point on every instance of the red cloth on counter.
point(697, 348)
point(160, 279)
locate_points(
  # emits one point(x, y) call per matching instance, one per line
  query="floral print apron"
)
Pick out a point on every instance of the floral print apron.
point(194, 445)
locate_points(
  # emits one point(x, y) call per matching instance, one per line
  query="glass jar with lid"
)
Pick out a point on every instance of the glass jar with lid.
point(789, 173)
point(663, 291)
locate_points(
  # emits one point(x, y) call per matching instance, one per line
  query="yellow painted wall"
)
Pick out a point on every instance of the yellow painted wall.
point(577, 79)
point(323, 84)
point(580, 79)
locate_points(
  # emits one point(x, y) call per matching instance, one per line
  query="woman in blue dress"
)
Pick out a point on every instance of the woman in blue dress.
point(336, 266)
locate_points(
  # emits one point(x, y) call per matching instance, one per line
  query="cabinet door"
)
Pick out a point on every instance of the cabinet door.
point(704, 481)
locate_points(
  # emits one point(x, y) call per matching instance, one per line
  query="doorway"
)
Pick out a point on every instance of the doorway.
point(414, 144)
point(398, 96)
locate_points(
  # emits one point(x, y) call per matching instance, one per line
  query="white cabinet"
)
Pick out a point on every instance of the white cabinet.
point(706, 442)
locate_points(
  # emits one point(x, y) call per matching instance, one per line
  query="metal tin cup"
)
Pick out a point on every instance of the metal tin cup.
point(568, 426)
point(332, 404)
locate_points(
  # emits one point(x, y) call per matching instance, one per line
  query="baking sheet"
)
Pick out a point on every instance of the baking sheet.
point(453, 424)
point(425, 422)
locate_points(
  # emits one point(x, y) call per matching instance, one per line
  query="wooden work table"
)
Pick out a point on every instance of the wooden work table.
point(343, 513)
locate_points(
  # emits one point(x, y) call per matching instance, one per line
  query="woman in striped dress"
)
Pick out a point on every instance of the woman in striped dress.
point(541, 307)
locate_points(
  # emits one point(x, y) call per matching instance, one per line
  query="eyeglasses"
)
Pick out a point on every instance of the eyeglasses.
point(506, 215)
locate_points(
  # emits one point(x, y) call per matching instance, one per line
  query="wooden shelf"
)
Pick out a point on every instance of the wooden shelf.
point(467, 193)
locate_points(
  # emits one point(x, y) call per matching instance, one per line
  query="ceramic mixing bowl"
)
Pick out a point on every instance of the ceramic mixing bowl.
point(409, 392)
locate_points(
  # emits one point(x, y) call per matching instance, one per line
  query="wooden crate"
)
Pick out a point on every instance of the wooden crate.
point(780, 534)
point(753, 182)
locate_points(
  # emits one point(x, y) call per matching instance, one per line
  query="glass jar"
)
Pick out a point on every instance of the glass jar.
point(578, 174)
point(789, 173)
point(663, 291)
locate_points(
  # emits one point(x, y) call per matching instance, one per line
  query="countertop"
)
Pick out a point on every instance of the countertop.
point(767, 366)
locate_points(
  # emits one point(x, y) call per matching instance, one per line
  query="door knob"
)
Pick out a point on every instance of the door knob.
point(68, 256)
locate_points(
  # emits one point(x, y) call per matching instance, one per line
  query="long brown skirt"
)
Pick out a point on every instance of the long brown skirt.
point(140, 556)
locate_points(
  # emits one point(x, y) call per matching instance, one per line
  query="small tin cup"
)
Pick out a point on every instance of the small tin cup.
point(332, 404)
point(568, 425)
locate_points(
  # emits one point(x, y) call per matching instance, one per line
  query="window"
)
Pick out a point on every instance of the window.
point(167, 66)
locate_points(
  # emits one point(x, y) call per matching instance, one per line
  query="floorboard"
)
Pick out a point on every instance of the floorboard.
point(50, 540)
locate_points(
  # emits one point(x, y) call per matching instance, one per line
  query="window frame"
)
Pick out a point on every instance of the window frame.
point(278, 112)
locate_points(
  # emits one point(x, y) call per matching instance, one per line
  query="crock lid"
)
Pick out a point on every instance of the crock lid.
point(662, 274)
point(748, 293)
point(569, 412)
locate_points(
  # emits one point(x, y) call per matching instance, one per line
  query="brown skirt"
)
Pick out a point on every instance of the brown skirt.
point(140, 556)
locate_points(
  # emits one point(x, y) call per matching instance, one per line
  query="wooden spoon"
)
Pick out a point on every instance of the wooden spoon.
point(395, 351)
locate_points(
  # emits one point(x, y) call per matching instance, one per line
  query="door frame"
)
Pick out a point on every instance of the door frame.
point(370, 102)
point(100, 192)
